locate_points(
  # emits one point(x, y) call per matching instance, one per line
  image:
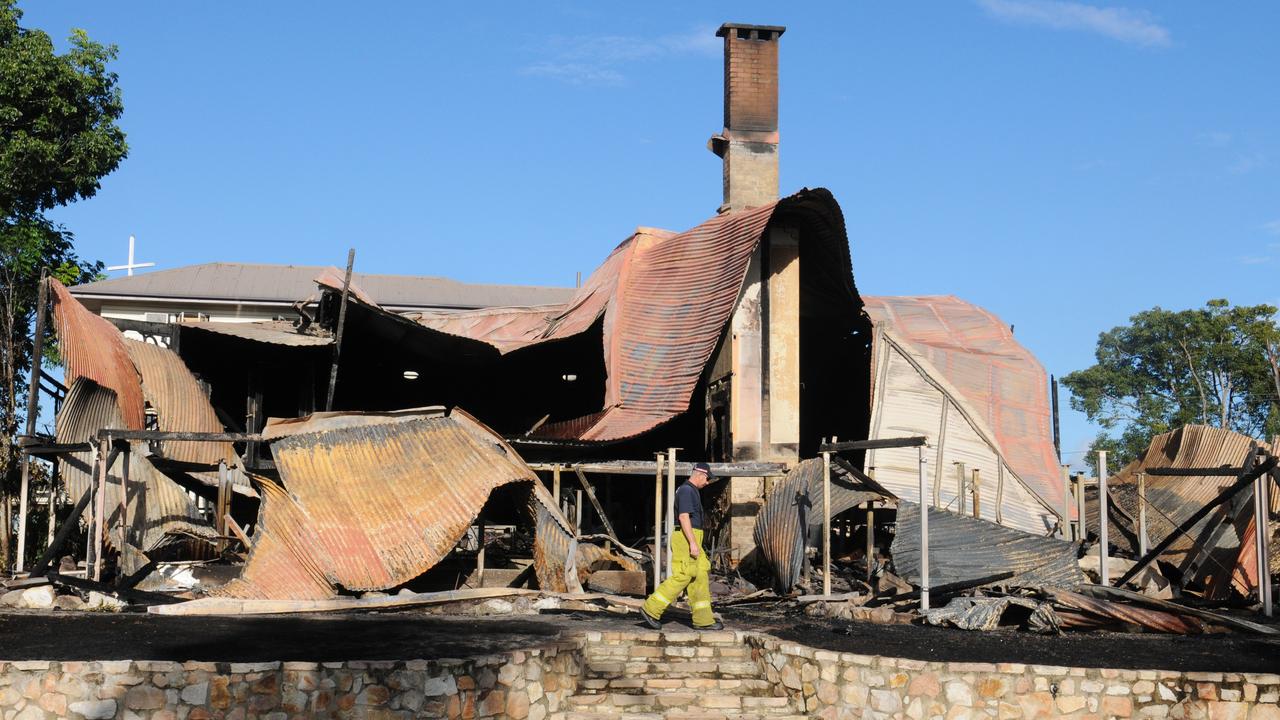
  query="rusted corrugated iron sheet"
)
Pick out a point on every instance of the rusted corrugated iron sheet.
point(157, 505)
point(593, 557)
point(285, 560)
point(997, 418)
point(334, 278)
point(792, 515)
point(91, 347)
point(555, 548)
point(512, 328)
point(179, 403)
point(272, 332)
point(1114, 612)
point(964, 548)
point(1211, 553)
point(277, 428)
point(377, 504)
point(665, 299)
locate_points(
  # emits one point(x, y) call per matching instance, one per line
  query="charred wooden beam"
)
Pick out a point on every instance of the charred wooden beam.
point(117, 434)
point(878, 444)
point(682, 469)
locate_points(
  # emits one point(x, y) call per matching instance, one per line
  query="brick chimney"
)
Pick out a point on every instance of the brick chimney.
point(749, 142)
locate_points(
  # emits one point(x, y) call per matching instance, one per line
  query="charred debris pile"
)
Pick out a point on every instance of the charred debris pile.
point(1173, 549)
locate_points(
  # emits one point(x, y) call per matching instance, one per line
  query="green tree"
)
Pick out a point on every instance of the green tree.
point(1218, 365)
point(58, 138)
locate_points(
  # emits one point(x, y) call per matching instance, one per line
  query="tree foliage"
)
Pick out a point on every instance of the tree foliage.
point(58, 113)
point(58, 138)
point(1218, 365)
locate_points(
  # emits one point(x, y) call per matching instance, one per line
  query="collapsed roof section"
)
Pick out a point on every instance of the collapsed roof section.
point(663, 301)
point(1218, 550)
point(952, 372)
point(145, 380)
point(370, 501)
point(118, 383)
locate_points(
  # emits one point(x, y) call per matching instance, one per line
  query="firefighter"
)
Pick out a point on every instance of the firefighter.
point(689, 562)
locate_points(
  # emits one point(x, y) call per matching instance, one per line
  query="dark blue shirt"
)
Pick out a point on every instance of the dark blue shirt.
point(688, 500)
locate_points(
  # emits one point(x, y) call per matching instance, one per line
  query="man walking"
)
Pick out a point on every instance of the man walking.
point(689, 563)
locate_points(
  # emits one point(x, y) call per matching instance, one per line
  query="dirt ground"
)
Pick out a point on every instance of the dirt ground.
point(37, 635)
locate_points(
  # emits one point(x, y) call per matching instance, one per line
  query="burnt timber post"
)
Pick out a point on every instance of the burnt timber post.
point(657, 521)
point(1066, 501)
point(871, 526)
point(1142, 514)
point(924, 535)
point(826, 524)
point(1103, 572)
point(337, 339)
point(1081, 529)
point(33, 409)
point(98, 526)
point(671, 504)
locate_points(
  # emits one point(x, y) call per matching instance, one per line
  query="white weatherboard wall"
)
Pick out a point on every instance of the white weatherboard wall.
point(911, 398)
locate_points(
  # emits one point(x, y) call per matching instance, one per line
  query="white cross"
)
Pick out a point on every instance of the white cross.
point(131, 264)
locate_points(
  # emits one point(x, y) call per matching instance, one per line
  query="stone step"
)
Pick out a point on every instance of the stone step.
point(637, 652)
point(694, 667)
point(670, 637)
point(672, 702)
point(749, 686)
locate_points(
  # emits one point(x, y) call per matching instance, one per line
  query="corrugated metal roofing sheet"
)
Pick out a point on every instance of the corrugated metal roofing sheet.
point(180, 404)
point(91, 347)
point(965, 548)
point(371, 506)
point(272, 332)
point(1213, 555)
point(793, 513)
point(276, 428)
point(933, 351)
point(140, 374)
point(665, 299)
point(157, 505)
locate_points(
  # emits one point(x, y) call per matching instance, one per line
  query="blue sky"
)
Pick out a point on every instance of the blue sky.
point(1062, 164)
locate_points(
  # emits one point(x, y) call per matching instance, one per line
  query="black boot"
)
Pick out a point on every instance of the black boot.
point(650, 620)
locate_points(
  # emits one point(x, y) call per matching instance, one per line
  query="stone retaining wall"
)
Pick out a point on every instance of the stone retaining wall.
point(844, 685)
point(537, 684)
point(528, 684)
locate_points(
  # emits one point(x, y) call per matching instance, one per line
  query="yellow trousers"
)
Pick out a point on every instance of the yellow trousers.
point(688, 574)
